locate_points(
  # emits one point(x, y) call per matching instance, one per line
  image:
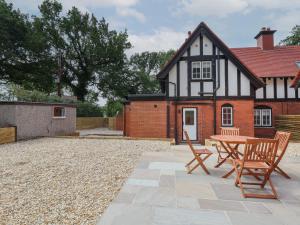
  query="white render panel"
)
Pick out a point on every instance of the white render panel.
point(269, 88)
point(259, 93)
point(291, 91)
point(208, 87)
point(183, 79)
point(232, 79)
point(245, 85)
point(195, 88)
point(280, 88)
point(207, 46)
point(195, 47)
point(173, 79)
point(185, 54)
point(299, 92)
point(221, 90)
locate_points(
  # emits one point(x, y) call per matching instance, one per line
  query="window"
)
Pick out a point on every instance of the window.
point(262, 117)
point(196, 70)
point(227, 118)
point(59, 112)
point(206, 70)
point(201, 70)
point(298, 64)
point(189, 117)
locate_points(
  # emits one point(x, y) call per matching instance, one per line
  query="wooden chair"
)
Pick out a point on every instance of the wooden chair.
point(283, 141)
point(197, 156)
point(231, 131)
point(258, 160)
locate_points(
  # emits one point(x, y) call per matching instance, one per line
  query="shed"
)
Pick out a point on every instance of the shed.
point(36, 119)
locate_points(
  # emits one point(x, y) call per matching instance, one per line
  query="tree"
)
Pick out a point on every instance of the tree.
point(294, 38)
point(22, 53)
point(145, 66)
point(92, 52)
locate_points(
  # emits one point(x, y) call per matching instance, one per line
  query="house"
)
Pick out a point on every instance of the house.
point(207, 85)
point(36, 119)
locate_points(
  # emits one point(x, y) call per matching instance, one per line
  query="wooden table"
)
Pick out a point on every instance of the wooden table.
point(230, 145)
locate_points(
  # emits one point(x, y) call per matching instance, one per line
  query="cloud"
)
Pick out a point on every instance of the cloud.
point(218, 8)
point(130, 12)
point(222, 8)
point(124, 8)
point(160, 39)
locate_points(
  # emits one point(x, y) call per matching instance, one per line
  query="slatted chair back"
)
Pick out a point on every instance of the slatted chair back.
point(260, 150)
point(188, 141)
point(231, 131)
point(283, 141)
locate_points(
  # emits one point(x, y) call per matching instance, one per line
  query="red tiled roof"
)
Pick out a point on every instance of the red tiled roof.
point(296, 80)
point(279, 62)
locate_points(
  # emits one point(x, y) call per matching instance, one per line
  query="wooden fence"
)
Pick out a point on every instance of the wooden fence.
point(114, 123)
point(7, 135)
point(289, 123)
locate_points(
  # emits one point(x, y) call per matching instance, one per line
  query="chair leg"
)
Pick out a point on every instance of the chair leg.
point(189, 163)
point(195, 167)
point(280, 171)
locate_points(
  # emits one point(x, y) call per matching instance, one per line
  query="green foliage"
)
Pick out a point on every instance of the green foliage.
point(294, 38)
point(24, 56)
point(92, 52)
point(87, 109)
point(113, 107)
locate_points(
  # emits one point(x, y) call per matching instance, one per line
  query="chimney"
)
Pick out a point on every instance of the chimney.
point(265, 38)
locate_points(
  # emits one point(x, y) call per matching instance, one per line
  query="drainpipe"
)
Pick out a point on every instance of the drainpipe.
point(175, 115)
point(215, 93)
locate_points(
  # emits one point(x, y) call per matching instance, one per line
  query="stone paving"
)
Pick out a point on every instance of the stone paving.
point(160, 192)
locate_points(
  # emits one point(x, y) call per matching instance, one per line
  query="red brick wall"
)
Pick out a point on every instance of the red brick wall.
point(146, 119)
point(278, 108)
point(204, 119)
point(242, 115)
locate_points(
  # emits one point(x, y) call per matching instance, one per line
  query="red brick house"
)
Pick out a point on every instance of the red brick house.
point(207, 85)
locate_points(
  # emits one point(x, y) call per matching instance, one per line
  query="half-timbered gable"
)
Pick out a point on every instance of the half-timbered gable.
point(204, 66)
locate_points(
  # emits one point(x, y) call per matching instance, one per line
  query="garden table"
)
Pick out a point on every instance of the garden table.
point(230, 144)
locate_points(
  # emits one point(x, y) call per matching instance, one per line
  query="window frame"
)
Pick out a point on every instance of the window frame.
point(201, 63)
point(63, 116)
point(227, 106)
point(261, 111)
point(210, 70)
point(200, 67)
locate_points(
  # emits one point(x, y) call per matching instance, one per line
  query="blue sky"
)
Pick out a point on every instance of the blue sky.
point(163, 24)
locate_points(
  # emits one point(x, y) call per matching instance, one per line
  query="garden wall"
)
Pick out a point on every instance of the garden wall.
point(114, 123)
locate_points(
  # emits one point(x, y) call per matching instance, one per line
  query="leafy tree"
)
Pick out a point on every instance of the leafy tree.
point(294, 38)
point(113, 107)
point(23, 57)
point(92, 52)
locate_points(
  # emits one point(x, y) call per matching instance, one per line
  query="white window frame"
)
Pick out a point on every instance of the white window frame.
point(202, 70)
point(201, 65)
point(231, 116)
point(62, 116)
point(197, 65)
point(263, 112)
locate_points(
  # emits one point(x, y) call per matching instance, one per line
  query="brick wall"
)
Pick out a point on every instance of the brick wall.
point(242, 115)
point(278, 108)
point(146, 119)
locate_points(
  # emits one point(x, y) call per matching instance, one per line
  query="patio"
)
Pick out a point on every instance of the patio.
point(160, 192)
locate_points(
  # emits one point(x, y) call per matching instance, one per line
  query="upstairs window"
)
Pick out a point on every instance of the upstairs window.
point(206, 70)
point(201, 70)
point(227, 116)
point(196, 70)
point(59, 112)
point(263, 117)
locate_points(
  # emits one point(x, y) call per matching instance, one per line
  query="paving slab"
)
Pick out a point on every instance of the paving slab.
point(160, 192)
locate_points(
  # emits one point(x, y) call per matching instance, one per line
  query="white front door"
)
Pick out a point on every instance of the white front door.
point(189, 122)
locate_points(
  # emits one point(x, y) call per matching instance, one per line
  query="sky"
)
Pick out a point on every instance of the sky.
point(154, 25)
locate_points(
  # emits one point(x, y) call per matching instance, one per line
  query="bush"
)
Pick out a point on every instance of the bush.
point(87, 109)
point(113, 107)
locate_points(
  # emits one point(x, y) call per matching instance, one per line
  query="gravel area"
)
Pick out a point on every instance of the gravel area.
point(65, 181)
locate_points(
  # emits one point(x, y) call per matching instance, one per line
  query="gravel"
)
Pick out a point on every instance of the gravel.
point(65, 181)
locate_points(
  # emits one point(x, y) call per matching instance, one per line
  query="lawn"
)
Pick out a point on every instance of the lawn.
point(65, 181)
